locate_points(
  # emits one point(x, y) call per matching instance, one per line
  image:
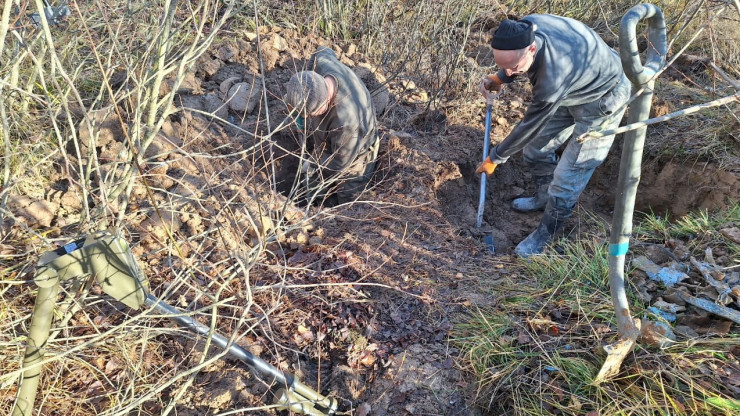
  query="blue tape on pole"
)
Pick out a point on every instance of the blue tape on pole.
point(618, 249)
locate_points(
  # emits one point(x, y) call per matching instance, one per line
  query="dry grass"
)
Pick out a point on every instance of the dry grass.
point(538, 349)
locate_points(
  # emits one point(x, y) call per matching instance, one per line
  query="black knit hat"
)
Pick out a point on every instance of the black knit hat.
point(512, 35)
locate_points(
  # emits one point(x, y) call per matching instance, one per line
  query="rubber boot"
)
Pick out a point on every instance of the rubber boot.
point(536, 202)
point(541, 237)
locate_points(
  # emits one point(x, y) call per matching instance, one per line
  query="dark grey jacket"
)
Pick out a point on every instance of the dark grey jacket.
point(348, 129)
point(572, 66)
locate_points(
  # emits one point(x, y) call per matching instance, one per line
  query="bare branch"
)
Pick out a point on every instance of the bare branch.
point(634, 126)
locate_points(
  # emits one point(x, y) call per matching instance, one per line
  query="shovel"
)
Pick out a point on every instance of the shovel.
point(488, 238)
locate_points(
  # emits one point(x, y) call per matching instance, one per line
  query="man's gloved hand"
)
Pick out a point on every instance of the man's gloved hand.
point(490, 83)
point(487, 166)
point(493, 160)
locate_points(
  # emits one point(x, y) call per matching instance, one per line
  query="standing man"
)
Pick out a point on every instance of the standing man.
point(578, 85)
point(336, 110)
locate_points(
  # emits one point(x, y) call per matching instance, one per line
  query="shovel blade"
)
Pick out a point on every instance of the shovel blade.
point(488, 241)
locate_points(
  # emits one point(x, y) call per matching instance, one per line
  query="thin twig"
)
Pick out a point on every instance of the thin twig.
point(634, 126)
point(724, 75)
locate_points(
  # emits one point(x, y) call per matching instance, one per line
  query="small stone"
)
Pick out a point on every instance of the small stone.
point(210, 67)
point(278, 43)
point(191, 101)
point(243, 97)
point(226, 52)
point(192, 84)
point(225, 86)
point(214, 105)
point(169, 129)
point(301, 238)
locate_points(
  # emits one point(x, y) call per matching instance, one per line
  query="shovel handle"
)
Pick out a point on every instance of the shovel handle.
point(486, 145)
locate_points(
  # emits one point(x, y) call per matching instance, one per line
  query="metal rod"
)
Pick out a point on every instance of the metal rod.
point(486, 144)
point(268, 371)
point(254, 362)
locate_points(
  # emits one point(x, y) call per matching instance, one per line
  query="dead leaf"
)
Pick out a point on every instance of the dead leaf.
point(733, 378)
point(735, 292)
point(575, 405)
point(668, 307)
point(367, 359)
point(523, 338)
point(601, 328)
point(113, 365)
point(657, 334)
point(6, 250)
point(305, 333)
point(685, 331)
point(541, 324)
point(705, 325)
point(708, 292)
point(363, 410)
